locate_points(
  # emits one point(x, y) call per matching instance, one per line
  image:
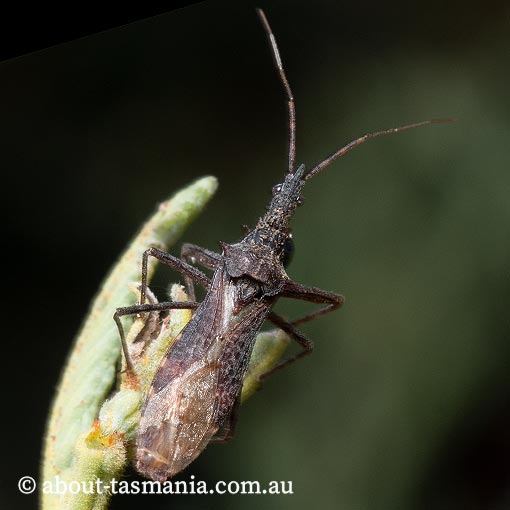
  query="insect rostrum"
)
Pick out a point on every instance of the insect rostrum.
point(194, 395)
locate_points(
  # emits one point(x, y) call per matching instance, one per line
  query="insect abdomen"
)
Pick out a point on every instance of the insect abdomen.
point(186, 408)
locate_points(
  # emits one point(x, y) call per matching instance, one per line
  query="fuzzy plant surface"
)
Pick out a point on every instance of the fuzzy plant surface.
point(88, 437)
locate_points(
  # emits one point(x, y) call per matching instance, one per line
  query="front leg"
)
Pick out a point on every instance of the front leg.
point(187, 270)
point(295, 290)
point(295, 334)
point(193, 254)
point(198, 255)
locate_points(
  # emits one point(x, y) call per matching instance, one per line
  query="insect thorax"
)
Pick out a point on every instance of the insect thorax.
point(256, 261)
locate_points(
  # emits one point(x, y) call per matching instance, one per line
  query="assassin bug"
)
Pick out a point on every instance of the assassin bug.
point(194, 395)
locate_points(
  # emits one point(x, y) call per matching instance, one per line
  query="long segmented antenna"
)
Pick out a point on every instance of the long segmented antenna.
point(290, 98)
point(358, 141)
point(292, 114)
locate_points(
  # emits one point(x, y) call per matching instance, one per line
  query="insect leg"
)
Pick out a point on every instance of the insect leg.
point(198, 255)
point(300, 338)
point(175, 263)
point(226, 432)
point(148, 307)
point(295, 290)
point(313, 294)
point(193, 254)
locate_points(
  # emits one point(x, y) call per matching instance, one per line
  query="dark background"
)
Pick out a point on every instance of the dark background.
point(404, 403)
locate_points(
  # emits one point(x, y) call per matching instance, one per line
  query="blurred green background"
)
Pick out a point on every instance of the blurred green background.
point(404, 403)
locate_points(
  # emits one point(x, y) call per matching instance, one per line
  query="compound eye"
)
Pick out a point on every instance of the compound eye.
point(277, 189)
point(288, 251)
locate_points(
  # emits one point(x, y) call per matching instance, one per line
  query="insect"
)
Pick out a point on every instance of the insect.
point(194, 396)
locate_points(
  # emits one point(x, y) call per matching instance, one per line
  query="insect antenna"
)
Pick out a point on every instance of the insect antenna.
point(358, 141)
point(286, 87)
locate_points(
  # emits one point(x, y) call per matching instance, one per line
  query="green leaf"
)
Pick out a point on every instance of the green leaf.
point(90, 370)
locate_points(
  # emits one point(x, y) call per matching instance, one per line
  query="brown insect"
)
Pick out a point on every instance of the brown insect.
point(195, 392)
